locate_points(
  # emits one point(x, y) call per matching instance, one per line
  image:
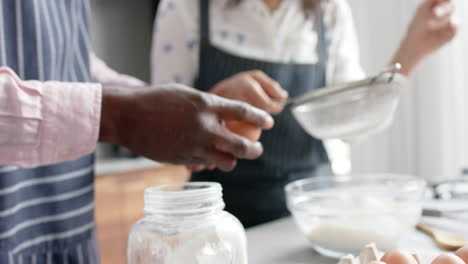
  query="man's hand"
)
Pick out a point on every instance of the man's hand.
point(180, 125)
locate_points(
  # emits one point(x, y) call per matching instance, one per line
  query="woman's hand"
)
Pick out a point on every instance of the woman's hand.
point(257, 89)
point(432, 27)
point(254, 88)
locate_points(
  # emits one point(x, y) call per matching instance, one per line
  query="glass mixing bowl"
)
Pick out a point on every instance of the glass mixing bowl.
point(340, 215)
point(351, 113)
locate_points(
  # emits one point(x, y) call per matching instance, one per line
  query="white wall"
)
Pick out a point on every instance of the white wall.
point(121, 34)
point(428, 137)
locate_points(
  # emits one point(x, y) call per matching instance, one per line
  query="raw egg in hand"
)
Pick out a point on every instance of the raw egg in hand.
point(463, 254)
point(448, 259)
point(399, 257)
point(244, 129)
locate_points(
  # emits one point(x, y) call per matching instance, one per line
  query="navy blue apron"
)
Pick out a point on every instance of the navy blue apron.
point(47, 213)
point(253, 192)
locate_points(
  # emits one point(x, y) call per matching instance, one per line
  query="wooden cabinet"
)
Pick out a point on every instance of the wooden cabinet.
point(119, 204)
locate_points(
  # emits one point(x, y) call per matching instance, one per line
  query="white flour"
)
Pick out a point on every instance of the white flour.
point(352, 236)
point(358, 221)
point(209, 246)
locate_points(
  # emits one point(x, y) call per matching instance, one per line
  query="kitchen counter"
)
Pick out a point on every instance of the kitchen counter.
point(281, 242)
point(123, 165)
point(119, 200)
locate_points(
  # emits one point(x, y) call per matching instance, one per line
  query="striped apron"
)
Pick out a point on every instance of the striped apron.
point(253, 192)
point(47, 213)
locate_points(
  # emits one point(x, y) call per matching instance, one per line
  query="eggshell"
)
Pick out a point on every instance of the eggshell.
point(417, 257)
point(348, 259)
point(369, 254)
point(463, 254)
point(377, 262)
point(399, 257)
point(448, 259)
point(244, 129)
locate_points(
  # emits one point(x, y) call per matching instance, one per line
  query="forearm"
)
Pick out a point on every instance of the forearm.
point(408, 56)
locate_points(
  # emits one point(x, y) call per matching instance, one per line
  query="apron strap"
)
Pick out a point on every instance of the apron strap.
point(323, 43)
point(204, 22)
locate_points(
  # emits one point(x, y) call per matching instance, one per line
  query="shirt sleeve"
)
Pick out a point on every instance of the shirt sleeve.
point(103, 74)
point(175, 48)
point(344, 51)
point(46, 122)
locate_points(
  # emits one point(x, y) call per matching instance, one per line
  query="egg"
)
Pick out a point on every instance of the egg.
point(448, 259)
point(398, 257)
point(377, 262)
point(463, 254)
point(244, 129)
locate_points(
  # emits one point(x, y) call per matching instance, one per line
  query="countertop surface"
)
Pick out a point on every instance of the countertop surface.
point(281, 242)
point(121, 165)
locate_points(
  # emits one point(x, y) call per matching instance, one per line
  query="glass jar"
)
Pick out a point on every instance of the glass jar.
point(186, 223)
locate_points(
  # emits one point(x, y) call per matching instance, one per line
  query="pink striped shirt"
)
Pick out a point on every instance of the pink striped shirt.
point(50, 122)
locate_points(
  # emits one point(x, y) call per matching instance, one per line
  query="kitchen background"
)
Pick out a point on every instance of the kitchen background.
point(429, 137)
point(121, 34)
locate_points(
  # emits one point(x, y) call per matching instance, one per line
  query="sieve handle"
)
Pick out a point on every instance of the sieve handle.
point(386, 76)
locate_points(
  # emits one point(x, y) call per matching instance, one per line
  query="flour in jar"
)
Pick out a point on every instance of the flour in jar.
point(209, 246)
